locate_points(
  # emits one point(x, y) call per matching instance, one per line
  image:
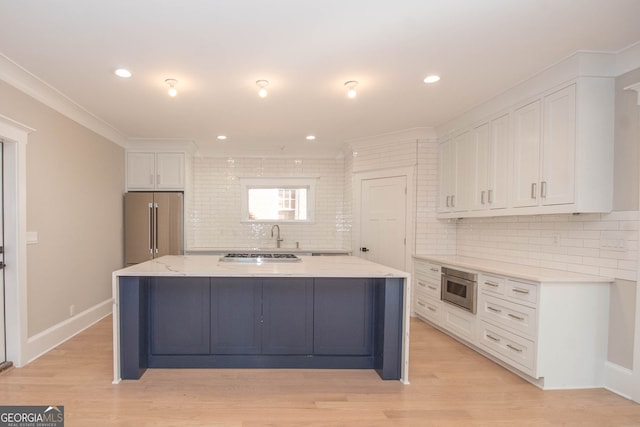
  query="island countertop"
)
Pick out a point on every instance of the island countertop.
point(308, 266)
point(371, 300)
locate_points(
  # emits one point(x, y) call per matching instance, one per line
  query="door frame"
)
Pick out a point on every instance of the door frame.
point(410, 226)
point(15, 137)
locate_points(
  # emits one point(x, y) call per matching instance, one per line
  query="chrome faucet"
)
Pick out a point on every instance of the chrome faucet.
point(278, 239)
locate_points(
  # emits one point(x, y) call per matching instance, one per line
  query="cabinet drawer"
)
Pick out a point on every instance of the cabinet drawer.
point(428, 308)
point(459, 322)
point(492, 284)
point(427, 269)
point(428, 286)
point(522, 292)
point(515, 317)
point(510, 348)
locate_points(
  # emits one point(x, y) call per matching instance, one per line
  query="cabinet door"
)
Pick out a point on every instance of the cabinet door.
point(170, 171)
point(179, 311)
point(236, 311)
point(526, 155)
point(481, 146)
point(447, 175)
point(559, 147)
point(287, 314)
point(141, 171)
point(342, 316)
point(465, 171)
point(498, 173)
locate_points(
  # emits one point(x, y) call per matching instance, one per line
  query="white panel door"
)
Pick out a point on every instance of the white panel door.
point(383, 220)
point(3, 352)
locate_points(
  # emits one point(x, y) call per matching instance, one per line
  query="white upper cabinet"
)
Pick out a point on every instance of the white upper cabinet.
point(447, 163)
point(550, 154)
point(155, 171)
point(544, 147)
point(526, 154)
point(456, 162)
point(491, 155)
point(557, 185)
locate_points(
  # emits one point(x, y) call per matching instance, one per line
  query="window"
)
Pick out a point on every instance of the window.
point(277, 199)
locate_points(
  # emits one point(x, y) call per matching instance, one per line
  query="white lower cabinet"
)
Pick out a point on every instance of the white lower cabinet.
point(459, 322)
point(553, 333)
point(511, 348)
point(426, 300)
point(428, 308)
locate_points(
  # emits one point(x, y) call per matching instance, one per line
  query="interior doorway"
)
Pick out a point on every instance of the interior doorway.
point(3, 334)
point(383, 218)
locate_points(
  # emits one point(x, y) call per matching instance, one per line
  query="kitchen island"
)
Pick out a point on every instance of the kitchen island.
point(200, 312)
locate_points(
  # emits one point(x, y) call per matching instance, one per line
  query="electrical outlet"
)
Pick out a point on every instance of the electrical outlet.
point(613, 241)
point(556, 238)
point(72, 310)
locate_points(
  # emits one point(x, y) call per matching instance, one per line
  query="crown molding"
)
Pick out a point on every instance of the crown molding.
point(18, 77)
point(635, 87)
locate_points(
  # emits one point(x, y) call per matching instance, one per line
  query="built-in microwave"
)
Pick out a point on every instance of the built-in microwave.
point(459, 288)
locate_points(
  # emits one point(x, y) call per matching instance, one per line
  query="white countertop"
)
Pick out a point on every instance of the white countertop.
point(212, 251)
point(517, 271)
point(309, 266)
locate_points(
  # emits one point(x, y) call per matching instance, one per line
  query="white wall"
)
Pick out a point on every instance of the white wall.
point(213, 213)
point(74, 185)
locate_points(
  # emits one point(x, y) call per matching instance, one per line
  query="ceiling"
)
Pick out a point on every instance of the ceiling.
point(307, 50)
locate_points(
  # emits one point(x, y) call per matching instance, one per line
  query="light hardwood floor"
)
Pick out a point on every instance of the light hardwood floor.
point(450, 386)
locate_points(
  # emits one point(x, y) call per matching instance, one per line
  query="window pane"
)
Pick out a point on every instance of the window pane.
point(288, 204)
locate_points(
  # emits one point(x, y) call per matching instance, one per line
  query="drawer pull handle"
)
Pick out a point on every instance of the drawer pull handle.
point(521, 291)
point(421, 304)
point(432, 309)
point(435, 270)
point(513, 316)
point(493, 284)
point(495, 310)
point(519, 350)
point(492, 338)
point(433, 288)
point(421, 284)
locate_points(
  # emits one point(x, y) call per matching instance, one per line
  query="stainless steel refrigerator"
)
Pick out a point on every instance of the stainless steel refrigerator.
point(153, 225)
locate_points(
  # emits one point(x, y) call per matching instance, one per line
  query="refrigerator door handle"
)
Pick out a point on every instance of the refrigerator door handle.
point(155, 234)
point(151, 228)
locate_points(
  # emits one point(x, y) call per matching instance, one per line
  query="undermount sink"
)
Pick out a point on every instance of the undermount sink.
point(259, 257)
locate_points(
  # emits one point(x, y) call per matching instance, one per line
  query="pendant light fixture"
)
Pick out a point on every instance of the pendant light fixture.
point(262, 84)
point(351, 88)
point(172, 87)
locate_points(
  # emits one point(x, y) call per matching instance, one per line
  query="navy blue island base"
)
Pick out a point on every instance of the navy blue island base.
point(270, 322)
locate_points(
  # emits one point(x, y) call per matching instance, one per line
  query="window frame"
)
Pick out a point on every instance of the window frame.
point(247, 184)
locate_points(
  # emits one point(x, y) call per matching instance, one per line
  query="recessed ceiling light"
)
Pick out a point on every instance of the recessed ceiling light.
point(431, 79)
point(311, 137)
point(121, 72)
point(222, 137)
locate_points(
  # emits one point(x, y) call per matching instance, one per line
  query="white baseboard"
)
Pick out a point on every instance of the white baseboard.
point(618, 380)
point(47, 340)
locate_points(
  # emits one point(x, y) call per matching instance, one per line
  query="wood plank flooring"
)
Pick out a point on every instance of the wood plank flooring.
point(450, 386)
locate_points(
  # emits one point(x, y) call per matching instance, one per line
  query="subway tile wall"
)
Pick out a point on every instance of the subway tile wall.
point(213, 212)
point(600, 244)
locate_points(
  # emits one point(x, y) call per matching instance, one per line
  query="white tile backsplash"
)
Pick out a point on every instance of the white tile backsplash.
point(213, 214)
point(602, 244)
